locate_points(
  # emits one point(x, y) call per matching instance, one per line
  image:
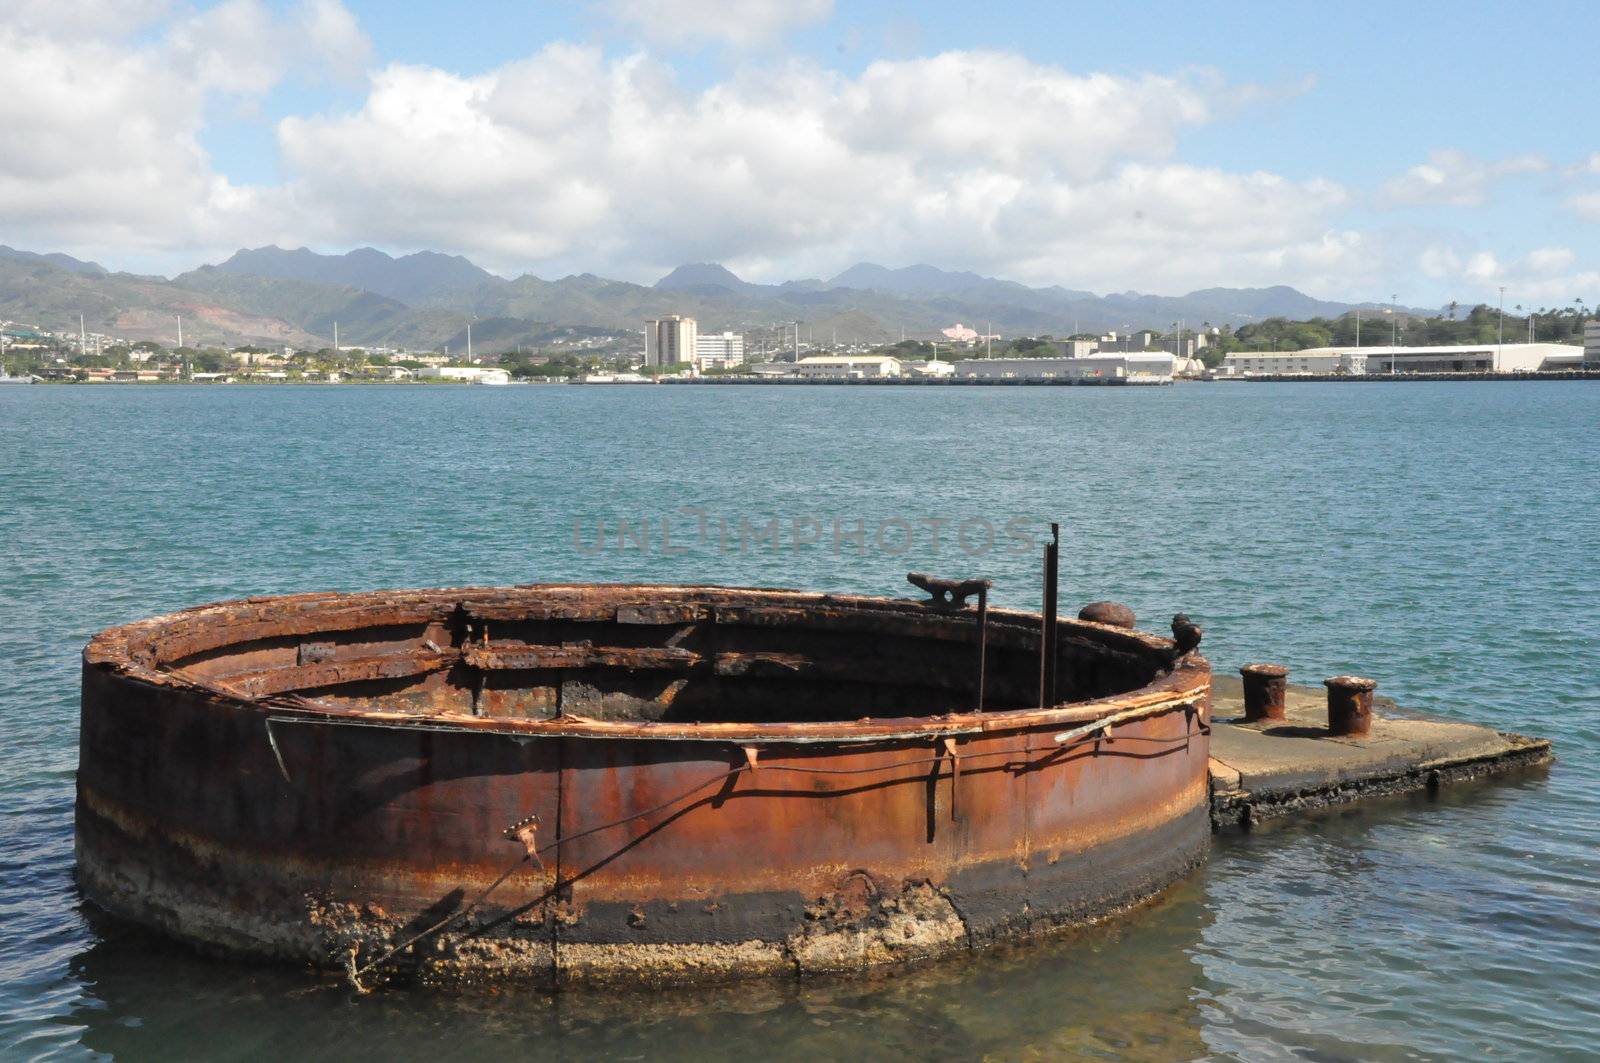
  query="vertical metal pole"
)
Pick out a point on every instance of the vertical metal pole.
point(1047, 627)
point(983, 641)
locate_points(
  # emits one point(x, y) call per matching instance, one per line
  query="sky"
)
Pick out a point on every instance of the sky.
point(1362, 152)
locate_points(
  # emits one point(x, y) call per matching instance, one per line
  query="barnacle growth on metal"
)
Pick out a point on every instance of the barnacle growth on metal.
point(593, 783)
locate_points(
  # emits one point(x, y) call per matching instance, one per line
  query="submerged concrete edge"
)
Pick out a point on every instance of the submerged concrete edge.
point(1240, 808)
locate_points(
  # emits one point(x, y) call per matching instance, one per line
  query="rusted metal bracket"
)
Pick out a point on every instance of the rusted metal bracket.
point(953, 594)
point(955, 774)
point(948, 592)
point(1105, 723)
point(752, 754)
point(526, 831)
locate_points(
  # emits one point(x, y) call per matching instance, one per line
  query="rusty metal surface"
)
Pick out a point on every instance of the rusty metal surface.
point(1350, 705)
point(1264, 687)
point(1114, 614)
point(589, 783)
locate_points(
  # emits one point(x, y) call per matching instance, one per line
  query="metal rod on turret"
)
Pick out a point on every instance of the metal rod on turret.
point(1047, 627)
point(983, 641)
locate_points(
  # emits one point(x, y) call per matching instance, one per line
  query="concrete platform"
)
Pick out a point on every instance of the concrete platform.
point(1275, 768)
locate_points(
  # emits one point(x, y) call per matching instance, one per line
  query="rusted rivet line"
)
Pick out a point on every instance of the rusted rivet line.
point(1264, 689)
point(1350, 705)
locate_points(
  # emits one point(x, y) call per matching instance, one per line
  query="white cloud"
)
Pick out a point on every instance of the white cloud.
point(1586, 205)
point(83, 18)
point(567, 160)
point(738, 23)
point(1456, 179)
point(1543, 274)
point(575, 159)
point(242, 46)
point(104, 130)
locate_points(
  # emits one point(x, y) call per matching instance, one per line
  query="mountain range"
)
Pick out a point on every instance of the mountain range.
point(422, 300)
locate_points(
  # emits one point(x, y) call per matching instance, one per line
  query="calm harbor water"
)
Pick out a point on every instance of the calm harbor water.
point(1444, 538)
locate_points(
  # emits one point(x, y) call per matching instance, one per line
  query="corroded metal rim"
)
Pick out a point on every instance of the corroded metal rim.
point(132, 650)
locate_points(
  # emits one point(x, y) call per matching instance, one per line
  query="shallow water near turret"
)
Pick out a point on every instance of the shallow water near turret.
point(1444, 538)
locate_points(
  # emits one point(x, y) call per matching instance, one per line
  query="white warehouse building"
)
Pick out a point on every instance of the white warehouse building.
point(847, 366)
point(1295, 363)
point(1355, 361)
point(1151, 367)
point(472, 374)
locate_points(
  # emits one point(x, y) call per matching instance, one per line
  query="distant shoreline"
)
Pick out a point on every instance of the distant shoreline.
point(1380, 378)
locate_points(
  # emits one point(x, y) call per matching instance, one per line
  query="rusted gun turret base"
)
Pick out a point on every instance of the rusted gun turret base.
point(1268, 768)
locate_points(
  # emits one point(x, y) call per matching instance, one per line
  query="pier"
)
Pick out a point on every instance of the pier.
point(1276, 767)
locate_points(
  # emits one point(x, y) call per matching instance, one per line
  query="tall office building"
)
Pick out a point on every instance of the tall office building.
point(719, 351)
point(670, 341)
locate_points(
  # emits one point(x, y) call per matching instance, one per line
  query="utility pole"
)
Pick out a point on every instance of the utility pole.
point(1358, 328)
point(988, 342)
point(1394, 335)
point(1499, 354)
point(83, 339)
point(180, 330)
point(469, 343)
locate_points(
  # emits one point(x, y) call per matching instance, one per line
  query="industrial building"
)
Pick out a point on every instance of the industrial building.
point(1151, 367)
point(1468, 358)
point(1591, 345)
point(931, 370)
point(1295, 363)
point(718, 351)
point(471, 374)
point(671, 340)
point(1075, 348)
point(1358, 361)
point(847, 366)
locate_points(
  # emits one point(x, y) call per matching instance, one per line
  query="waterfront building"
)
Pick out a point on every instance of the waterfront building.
point(722, 350)
point(1356, 361)
point(1075, 348)
point(471, 374)
point(848, 366)
point(671, 340)
point(1468, 358)
point(933, 369)
point(1591, 345)
point(1151, 367)
point(1142, 340)
point(1295, 363)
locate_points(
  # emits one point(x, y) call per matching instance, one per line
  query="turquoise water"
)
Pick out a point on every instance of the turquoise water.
point(1444, 538)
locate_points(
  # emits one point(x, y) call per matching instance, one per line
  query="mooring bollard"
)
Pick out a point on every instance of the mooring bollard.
point(1264, 688)
point(1350, 705)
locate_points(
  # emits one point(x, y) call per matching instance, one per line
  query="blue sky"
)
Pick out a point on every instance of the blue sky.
point(1436, 151)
